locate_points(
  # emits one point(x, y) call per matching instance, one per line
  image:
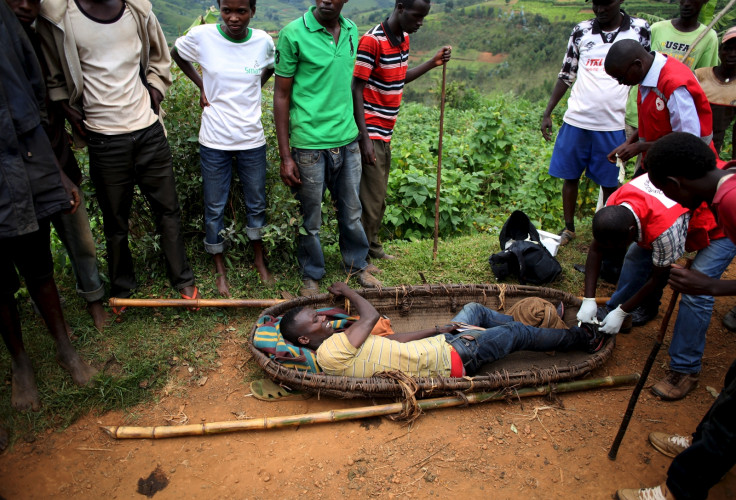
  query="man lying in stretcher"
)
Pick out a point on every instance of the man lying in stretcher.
point(453, 350)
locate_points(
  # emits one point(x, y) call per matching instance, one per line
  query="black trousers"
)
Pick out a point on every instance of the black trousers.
point(713, 452)
point(117, 164)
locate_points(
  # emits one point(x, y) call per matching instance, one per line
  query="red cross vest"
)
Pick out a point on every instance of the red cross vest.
point(655, 211)
point(654, 116)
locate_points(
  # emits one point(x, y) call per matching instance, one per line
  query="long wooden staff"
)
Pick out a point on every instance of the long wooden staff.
point(129, 432)
point(716, 18)
point(439, 163)
point(118, 302)
point(645, 372)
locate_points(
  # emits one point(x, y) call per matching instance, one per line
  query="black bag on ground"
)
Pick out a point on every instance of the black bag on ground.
point(522, 254)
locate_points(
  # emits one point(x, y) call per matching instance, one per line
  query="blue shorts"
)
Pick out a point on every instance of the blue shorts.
point(578, 150)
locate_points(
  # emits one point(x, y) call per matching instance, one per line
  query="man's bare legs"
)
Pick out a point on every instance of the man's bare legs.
point(259, 261)
point(100, 317)
point(24, 395)
point(221, 272)
point(569, 202)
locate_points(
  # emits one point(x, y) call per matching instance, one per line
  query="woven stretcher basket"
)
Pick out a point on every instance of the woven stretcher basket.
point(416, 307)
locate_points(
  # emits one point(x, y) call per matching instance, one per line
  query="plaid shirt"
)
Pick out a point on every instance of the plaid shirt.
point(670, 245)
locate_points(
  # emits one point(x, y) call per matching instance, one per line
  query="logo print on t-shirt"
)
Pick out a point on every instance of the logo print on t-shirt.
point(659, 103)
point(255, 70)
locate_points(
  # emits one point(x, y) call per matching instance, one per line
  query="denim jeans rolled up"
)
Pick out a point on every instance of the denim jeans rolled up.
point(713, 450)
point(695, 311)
point(216, 166)
point(339, 170)
point(74, 232)
point(503, 335)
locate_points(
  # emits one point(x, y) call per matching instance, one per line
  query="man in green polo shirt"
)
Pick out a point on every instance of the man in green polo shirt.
point(317, 135)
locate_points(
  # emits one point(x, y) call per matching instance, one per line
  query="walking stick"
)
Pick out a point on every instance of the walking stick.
point(118, 302)
point(645, 372)
point(439, 163)
point(167, 431)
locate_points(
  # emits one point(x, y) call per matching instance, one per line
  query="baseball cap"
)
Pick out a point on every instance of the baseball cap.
point(730, 34)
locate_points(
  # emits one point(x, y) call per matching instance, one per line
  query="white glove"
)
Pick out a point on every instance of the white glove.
point(588, 310)
point(612, 323)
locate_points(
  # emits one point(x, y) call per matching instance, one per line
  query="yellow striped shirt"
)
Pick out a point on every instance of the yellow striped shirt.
point(419, 358)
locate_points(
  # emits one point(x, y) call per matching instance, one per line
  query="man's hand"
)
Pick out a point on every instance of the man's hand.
point(73, 192)
point(203, 102)
point(546, 128)
point(75, 118)
point(156, 98)
point(588, 310)
point(338, 289)
point(612, 322)
point(625, 151)
point(691, 282)
point(290, 172)
point(367, 153)
point(442, 56)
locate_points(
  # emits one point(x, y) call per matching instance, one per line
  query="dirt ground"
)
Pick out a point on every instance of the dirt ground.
point(558, 449)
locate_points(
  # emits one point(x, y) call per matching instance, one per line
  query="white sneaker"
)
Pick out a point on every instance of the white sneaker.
point(654, 493)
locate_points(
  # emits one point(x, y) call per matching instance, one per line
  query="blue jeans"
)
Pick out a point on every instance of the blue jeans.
point(713, 452)
point(217, 166)
point(688, 337)
point(74, 232)
point(635, 272)
point(503, 336)
point(339, 170)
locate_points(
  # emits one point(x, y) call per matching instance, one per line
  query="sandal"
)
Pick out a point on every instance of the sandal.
point(194, 296)
point(267, 390)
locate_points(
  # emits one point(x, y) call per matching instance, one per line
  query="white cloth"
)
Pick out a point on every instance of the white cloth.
point(683, 113)
point(115, 101)
point(231, 73)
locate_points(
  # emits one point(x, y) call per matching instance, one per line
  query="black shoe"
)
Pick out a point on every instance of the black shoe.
point(643, 315)
point(596, 339)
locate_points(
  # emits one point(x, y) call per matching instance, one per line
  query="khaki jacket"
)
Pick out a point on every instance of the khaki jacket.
point(65, 81)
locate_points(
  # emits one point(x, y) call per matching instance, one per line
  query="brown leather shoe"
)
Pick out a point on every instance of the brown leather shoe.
point(675, 385)
point(670, 445)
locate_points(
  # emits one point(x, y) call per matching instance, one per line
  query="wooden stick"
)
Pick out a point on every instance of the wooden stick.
point(645, 372)
point(118, 302)
point(439, 164)
point(716, 18)
point(129, 432)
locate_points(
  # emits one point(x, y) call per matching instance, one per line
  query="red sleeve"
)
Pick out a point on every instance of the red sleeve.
point(368, 52)
point(727, 214)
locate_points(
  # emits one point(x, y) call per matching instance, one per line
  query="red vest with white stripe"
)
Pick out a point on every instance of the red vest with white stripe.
point(655, 211)
point(654, 116)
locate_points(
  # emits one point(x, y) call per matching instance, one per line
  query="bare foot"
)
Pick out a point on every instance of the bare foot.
point(4, 438)
point(265, 275)
point(222, 286)
point(80, 371)
point(100, 317)
point(69, 331)
point(24, 394)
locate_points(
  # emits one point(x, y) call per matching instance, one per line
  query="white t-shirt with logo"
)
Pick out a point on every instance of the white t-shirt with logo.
point(231, 73)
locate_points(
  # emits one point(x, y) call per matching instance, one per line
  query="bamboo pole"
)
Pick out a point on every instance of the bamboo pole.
point(439, 164)
point(118, 302)
point(158, 432)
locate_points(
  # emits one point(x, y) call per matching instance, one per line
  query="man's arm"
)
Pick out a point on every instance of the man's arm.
point(368, 155)
point(358, 331)
point(589, 308)
point(281, 104)
point(629, 149)
point(441, 57)
point(190, 71)
point(696, 283)
point(683, 112)
point(158, 72)
point(421, 334)
point(558, 91)
point(266, 74)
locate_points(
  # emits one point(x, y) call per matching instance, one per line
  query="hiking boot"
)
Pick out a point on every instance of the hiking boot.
point(367, 280)
point(310, 287)
point(670, 445)
point(729, 320)
point(596, 339)
point(656, 493)
point(603, 312)
point(566, 236)
point(643, 315)
point(675, 385)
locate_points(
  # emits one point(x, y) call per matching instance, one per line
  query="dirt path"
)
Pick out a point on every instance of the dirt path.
point(560, 449)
